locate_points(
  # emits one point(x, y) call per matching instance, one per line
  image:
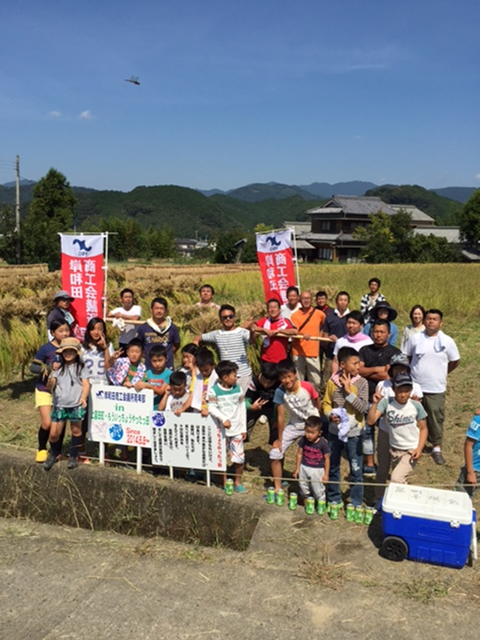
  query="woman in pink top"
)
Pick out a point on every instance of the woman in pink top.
point(354, 337)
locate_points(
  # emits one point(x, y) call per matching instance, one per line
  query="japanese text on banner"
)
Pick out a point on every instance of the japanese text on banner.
point(189, 440)
point(275, 259)
point(120, 415)
point(83, 277)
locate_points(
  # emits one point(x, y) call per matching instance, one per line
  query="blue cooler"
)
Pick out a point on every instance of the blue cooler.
point(428, 525)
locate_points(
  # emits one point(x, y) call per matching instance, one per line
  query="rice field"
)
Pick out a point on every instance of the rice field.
point(26, 294)
point(454, 288)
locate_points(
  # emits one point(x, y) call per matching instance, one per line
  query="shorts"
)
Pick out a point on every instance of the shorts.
point(290, 434)
point(74, 414)
point(43, 399)
point(235, 447)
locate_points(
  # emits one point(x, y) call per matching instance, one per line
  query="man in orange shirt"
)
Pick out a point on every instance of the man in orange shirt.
point(308, 321)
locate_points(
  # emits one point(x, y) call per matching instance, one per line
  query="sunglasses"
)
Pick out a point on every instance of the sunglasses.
point(229, 317)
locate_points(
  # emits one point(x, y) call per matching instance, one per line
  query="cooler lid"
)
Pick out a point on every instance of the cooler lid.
point(425, 502)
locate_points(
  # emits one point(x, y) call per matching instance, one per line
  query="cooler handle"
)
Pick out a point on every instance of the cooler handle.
point(473, 546)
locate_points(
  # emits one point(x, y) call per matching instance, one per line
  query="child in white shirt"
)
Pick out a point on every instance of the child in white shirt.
point(226, 404)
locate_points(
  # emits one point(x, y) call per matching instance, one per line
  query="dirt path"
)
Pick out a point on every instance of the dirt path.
point(302, 577)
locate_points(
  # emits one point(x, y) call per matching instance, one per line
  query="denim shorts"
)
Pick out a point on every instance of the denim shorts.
point(74, 414)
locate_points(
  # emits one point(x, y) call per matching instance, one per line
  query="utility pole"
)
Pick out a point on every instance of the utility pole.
point(17, 209)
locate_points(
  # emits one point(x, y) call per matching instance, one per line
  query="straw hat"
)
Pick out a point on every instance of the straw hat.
point(69, 343)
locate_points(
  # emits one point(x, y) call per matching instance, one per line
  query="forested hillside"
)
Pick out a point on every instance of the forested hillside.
point(444, 210)
point(185, 210)
point(189, 212)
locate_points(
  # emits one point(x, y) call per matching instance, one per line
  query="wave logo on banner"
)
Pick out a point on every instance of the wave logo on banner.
point(83, 277)
point(82, 250)
point(275, 258)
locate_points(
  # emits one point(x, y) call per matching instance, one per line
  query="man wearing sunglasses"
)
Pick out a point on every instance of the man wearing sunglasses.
point(231, 342)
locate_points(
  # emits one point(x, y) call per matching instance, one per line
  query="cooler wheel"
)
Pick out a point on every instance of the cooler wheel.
point(394, 549)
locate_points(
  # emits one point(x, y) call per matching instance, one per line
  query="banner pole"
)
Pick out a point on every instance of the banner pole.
point(105, 268)
point(296, 256)
point(139, 460)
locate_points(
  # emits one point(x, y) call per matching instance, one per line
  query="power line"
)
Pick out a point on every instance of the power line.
point(7, 164)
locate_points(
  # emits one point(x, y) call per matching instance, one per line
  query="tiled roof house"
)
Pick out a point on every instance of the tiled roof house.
point(333, 224)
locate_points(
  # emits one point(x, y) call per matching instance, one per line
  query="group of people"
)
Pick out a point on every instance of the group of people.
point(331, 378)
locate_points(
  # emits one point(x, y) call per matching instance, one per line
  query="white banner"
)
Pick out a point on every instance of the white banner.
point(274, 241)
point(275, 259)
point(80, 246)
point(188, 440)
point(120, 416)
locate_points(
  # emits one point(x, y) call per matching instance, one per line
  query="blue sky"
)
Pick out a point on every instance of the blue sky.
point(239, 92)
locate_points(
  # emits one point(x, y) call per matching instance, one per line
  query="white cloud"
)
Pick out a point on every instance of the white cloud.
point(477, 176)
point(54, 114)
point(86, 115)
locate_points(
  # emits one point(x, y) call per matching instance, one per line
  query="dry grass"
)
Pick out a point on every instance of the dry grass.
point(9, 270)
point(321, 569)
point(424, 589)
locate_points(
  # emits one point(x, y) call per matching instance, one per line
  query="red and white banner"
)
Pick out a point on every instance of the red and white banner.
point(83, 277)
point(275, 258)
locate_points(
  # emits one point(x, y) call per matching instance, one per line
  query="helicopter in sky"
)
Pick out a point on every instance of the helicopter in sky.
point(133, 80)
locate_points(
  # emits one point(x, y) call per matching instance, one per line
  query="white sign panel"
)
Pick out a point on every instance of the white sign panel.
point(188, 440)
point(120, 415)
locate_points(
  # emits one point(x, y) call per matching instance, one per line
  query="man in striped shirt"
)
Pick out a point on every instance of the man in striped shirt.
point(231, 343)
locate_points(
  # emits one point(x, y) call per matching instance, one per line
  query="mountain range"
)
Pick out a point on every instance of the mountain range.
point(191, 212)
point(277, 191)
point(256, 192)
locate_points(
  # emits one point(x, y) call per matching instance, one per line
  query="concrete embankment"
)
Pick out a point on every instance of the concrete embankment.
point(110, 499)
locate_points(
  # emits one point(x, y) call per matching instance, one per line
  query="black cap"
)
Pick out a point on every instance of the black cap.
point(401, 359)
point(402, 380)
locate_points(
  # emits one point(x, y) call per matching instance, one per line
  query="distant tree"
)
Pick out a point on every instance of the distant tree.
point(249, 253)
point(8, 237)
point(261, 227)
point(226, 249)
point(470, 219)
point(161, 242)
point(433, 249)
point(204, 255)
point(378, 238)
point(51, 212)
point(135, 242)
point(117, 248)
point(401, 228)
point(391, 239)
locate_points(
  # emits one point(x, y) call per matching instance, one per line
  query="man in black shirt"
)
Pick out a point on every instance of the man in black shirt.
point(321, 299)
point(374, 363)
